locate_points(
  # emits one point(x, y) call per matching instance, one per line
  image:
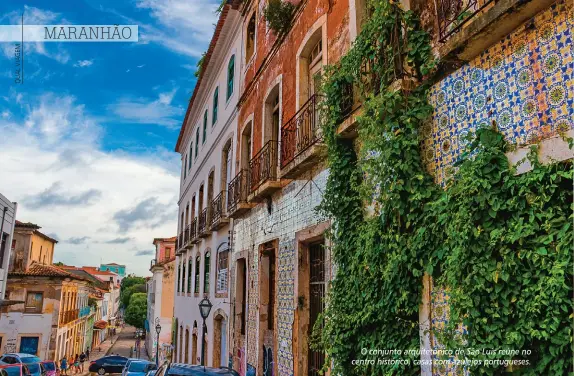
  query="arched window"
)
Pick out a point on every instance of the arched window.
point(189, 275)
point(230, 76)
point(196, 287)
point(204, 127)
point(215, 106)
point(250, 40)
point(206, 273)
point(196, 142)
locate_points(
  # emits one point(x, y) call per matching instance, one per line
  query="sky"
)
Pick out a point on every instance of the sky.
point(87, 141)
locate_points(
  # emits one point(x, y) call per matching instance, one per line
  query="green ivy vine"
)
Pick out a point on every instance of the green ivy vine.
point(500, 243)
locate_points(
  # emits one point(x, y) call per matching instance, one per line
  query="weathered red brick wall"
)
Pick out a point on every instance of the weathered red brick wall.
point(283, 61)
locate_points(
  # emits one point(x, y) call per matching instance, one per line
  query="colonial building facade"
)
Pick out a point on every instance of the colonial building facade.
point(507, 61)
point(161, 294)
point(8, 212)
point(207, 144)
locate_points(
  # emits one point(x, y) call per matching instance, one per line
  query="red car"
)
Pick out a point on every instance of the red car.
point(19, 369)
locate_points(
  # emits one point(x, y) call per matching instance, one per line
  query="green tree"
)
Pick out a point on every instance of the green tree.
point(137, 310)
point(127, 283)
point(126, 294)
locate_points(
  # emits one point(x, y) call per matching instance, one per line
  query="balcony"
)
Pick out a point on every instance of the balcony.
point(262, 178)
point(180, 243)
point(300, 140)
point(465, 28)
point(237, 192)
point(186, 236)
point(203, 222)
point(218, 217)
point(152, 263)
point(350, 108)
point(69, 316)
point(194, 238)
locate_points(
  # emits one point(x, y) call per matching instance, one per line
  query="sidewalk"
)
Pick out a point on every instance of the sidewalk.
point(95, 354)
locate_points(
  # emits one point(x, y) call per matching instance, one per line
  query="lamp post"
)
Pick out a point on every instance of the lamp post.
point(157, 330)
point(204, 309)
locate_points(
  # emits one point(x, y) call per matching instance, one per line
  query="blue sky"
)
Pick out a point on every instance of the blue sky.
point(86, 143)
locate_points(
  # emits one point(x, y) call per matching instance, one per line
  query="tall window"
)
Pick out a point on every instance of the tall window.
point(196, 142)
point(167, 253)
point(189, 274)
point(206, 273)
point(204, 127)
point(215, 105)
point(222, 262)
point(184, 169)
point(196, 287)
point(246, 146)
point(190, 155)
point(230, 76)
point(178, 279)
point(183, 276)
point(250, 41)
point(3, 247)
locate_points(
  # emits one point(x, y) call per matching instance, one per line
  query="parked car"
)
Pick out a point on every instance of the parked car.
point(32, 361)
point(151, 372)
point(49, 368)
point(108, 364)
point(138, 367)
point(180, 369)
point(14, 370)
point(124, 370)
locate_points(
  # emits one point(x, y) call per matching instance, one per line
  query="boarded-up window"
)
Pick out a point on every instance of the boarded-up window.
point(34, 301)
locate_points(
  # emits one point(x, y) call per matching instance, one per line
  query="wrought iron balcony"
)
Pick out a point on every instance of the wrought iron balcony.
point(218, 217)
point(180, 241)
point(186, 236)
point(263, 178)
point(452, 15)
point(299, 135)
point(194, 238)
point(203, 228)
point(237, 193)
point(152, 263)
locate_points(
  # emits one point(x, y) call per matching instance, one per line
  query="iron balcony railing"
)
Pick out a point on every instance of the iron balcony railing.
point(152, 263)
point(301, 131)
point(69, 316)
point(237, 191)
point(186, 235)
point(452, 15)
point(217, 208)
point(181, 243)
point(263, 167)
point(348, 100)
point(203, 220)
point(193, 229)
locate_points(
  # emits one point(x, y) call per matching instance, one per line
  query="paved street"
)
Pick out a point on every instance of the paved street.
point(120, 344)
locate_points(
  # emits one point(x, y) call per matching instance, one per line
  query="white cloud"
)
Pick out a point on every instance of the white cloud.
point(36, 16)
point(84, 63)
point(159, 111)
point(53, 154)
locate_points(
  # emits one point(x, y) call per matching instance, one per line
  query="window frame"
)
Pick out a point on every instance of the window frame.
point(205, 119)
point(196, 142)
point(230, 77)
point(197, 271)
point(215, 108)
point(220, 269)
point(206, 272)
point(34, 309)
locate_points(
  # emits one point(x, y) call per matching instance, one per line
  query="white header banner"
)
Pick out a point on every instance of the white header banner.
point(68, 33)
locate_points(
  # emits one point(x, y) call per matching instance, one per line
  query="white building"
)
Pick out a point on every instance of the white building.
point(206, 143)
point(8, 213)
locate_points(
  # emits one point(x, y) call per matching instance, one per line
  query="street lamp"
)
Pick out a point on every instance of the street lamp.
point(204, 309)
point(157, 330)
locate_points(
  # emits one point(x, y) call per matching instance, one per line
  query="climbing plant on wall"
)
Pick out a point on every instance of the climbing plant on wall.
point(498, 242)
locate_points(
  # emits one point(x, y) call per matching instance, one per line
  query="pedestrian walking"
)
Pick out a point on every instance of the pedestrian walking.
point(77, 364)
point(64, 366)
point(82, 360)
point(88, 353)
